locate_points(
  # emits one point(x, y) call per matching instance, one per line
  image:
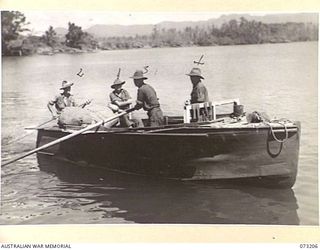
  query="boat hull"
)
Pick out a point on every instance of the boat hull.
point(206, 154)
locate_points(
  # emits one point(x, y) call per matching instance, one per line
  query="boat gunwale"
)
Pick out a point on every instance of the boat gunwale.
point(185, 130)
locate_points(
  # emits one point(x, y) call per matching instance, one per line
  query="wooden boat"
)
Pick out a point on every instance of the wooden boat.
point(190, 148)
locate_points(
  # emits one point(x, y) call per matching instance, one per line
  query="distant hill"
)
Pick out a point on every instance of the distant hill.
point(61, 31)
point(101, 30)
point(269, 18)
point(286, 18)
point(120, 30)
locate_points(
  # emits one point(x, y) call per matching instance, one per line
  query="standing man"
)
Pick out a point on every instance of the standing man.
point(65, 99)
point(199, 92)
point(120, 100)
point(148, 100)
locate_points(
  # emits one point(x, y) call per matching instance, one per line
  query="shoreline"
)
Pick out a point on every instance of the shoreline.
point(48, 51)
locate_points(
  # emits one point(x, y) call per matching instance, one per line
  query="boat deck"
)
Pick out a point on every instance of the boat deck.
point(221, 124)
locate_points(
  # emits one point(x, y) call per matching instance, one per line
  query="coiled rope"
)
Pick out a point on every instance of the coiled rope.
point(274, 155)
point(273, 133)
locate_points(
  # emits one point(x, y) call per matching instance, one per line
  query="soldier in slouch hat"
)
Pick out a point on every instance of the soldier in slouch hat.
point(199, 92)
point(120, 100)
point(148, 100)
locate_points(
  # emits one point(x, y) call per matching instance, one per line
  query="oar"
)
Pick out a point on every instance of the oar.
point(37, 127)
point(69, 136)
point(28, 133)
point(20, 138)
point(40, 125)
point(44, 123)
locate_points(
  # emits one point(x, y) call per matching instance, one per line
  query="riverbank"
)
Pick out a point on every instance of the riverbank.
point(63, 49)
point(27, 48)
point(234, 32)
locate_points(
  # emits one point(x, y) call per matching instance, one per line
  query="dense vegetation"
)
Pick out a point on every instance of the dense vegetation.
point(12, 24)
point(234, 32)
point(16, 42)
point(76, 38)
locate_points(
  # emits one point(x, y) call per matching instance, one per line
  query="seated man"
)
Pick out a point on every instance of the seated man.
point(120, 100)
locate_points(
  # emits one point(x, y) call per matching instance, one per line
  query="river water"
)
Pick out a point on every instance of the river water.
point(279, 79)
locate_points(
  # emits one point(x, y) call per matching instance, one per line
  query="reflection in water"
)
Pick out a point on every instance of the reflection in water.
point(143, 200)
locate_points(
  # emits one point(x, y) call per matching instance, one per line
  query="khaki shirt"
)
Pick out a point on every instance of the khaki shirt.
point(147, 97)
point(120, 97)
point(61, 101)
point(199, 93)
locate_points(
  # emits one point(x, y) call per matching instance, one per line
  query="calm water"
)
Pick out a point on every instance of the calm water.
point(280, 79)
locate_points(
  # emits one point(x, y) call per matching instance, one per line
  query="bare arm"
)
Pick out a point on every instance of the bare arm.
point(123, 103)
point(50, 107)
point(140, 99)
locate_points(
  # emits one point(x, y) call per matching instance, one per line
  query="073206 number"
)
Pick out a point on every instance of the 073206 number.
point(308, 245)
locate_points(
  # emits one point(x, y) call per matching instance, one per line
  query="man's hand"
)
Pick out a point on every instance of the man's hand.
point(87, 102)
point(113, 107)
point(137, 107)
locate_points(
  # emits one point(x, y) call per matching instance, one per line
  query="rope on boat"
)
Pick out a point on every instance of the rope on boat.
point(274, 155)
point(282, 122)
point(274, 135)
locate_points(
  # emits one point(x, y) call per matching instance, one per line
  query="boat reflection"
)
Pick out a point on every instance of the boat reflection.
point(145, 200)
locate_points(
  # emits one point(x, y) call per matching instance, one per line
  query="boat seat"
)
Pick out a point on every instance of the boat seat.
point(206, 111)
point(170, 120)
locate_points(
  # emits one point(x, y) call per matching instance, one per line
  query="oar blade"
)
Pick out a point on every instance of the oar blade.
point(50, 144)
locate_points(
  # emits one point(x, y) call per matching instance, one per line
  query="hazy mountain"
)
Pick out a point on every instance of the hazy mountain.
point(102, 30)
point(284, 18)
point(271, 18)
point(61, 31)
point(120, 30)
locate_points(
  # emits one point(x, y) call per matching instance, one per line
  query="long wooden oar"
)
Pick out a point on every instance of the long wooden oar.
point(40, 125)
point(20, 137)
point(44, 123)
point(28, 133)
point(69, 136)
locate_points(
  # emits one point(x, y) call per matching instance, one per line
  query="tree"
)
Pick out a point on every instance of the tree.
point(50, 37)
point(12, 24)
point(75, 36)
point(155, 33)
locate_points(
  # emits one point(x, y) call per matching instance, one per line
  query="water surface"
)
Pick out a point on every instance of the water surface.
point(279, 79)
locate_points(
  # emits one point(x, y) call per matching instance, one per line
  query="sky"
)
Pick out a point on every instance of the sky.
point(40, 21)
